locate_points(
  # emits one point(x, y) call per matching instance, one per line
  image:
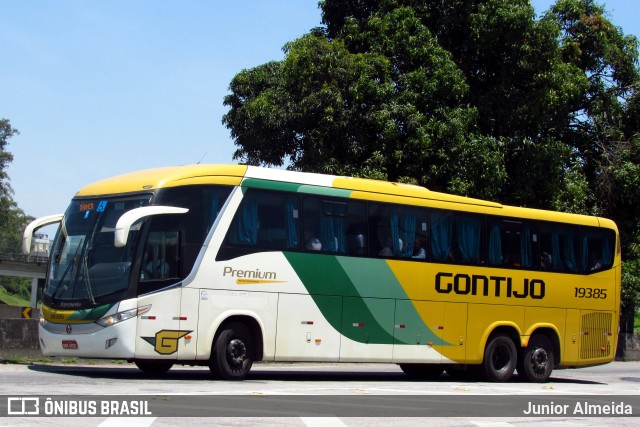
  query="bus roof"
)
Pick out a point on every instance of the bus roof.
point(172, 176)
point(153, 179)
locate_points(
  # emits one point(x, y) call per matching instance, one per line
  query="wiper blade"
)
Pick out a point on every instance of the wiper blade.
point(87, 280)
point(64, 273)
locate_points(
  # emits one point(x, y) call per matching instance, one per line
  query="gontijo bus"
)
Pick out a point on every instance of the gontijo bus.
point(222, 266)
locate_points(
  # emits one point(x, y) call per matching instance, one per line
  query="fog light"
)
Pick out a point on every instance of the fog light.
point(110, 343)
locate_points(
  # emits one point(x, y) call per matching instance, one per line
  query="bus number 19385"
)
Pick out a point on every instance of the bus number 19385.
point(590, 293)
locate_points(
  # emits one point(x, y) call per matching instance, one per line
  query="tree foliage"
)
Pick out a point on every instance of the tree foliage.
point(12, 218)
point(479, 98)
point(6, 132)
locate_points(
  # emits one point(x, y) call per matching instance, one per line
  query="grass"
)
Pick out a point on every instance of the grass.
point(11, 299)
point(23, 360)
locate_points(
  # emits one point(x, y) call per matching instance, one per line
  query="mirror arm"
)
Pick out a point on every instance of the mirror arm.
point(27, 236)
point(128, 218)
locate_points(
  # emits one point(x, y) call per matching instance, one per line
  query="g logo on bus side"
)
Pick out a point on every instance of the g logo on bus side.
point(166, 341)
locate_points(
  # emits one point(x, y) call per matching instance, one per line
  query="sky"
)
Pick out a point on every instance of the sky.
point(100, 88)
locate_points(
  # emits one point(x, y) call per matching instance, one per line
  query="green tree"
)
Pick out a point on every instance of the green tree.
point(393, 111)
point(6, 132)
point(12, 218)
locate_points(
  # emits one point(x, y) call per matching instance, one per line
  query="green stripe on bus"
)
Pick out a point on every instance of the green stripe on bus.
point(374, 277)
point(295, 188)
point(364, 319)
point(91, 313)
point(333, 280)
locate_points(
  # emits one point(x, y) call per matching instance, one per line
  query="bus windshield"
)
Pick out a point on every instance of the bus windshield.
point(86, 268)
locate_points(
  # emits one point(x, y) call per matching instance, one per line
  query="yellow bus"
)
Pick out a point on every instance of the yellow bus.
point(224, 265)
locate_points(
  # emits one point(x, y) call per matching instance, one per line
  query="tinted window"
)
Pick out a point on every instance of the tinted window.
point(560, 248)
point(513, 243)
point(457, 237)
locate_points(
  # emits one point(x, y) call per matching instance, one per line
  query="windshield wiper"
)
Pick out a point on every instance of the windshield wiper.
point(64, 273)
point(85, 263)
point(87, 280)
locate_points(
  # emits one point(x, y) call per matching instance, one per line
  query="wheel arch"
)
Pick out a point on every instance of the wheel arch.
point(254, 326)
point(553, 335)
point(509, 329)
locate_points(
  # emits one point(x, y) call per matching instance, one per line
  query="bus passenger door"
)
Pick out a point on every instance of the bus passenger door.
point(367, 330)
point(307, 328)
point(418, 331)
point(158, 330)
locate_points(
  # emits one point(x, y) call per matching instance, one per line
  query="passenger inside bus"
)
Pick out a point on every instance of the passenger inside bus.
point(418, 249)
point(311, 243)
point(595, 263)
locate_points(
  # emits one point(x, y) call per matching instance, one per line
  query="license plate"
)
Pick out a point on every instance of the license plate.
point(70, 345)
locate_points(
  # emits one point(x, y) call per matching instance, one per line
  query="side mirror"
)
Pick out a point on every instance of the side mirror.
point(33, 226)
point(128, 218)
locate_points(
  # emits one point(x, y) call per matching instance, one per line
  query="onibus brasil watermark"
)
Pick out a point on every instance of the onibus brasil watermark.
point(73, 407)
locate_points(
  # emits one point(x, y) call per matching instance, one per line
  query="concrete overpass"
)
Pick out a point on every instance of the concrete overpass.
point(35, 267)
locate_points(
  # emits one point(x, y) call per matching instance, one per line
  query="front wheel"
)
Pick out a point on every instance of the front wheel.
point(233, 353)
point(500, 358)
point(537, 360)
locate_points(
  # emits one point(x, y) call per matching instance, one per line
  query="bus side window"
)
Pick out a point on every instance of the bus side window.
point(311, 220)
point(560, 248)
point(160, 258)
point(469, 237)
point(325, 225)
point(421, 244)
point(597, 249)
point(513, 243)
point(266, 220)
point(356, 229)
point(442, 247)
point(393, 230)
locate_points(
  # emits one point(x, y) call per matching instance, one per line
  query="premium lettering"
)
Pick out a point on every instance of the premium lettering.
point(249, 274)
point(474, 284)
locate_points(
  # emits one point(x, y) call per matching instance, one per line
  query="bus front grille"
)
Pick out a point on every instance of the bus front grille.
point(596, 336)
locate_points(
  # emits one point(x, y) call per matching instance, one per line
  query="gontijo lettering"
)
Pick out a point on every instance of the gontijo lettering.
point(464, 284)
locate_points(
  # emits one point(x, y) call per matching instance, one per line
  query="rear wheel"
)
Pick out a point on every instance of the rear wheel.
point(233, 353)
point(537, 360)
point(423, 371)
point(500, 358)
point(153, 367)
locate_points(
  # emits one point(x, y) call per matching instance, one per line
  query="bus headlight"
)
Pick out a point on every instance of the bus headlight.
point(123, 315)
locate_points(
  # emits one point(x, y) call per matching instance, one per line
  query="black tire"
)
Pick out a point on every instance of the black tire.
point(154, 367)
point(500, 359)
point(233, 353)
point(537, 360)
point(423, 371)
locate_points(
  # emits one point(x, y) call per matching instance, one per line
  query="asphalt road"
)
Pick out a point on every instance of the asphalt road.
point(317, 394)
